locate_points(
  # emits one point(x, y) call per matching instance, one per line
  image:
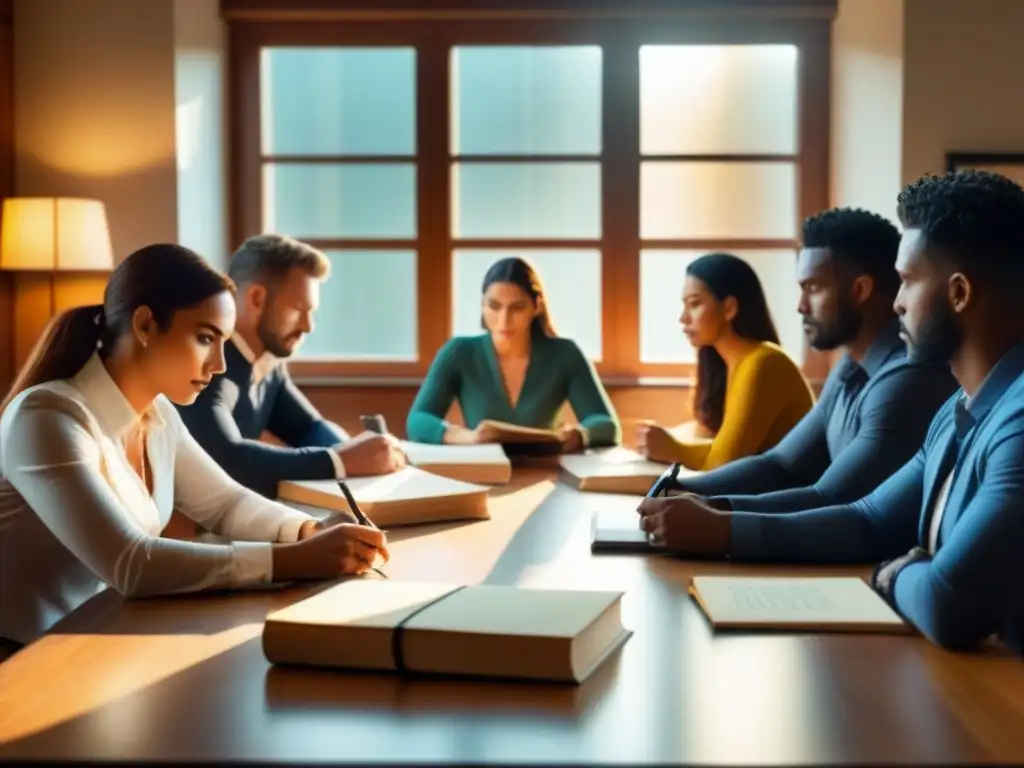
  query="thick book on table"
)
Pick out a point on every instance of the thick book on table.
point(612, 470)
point(821, 604)
point(480, 631)
point(407, 497)
point(486, 463)
point(525, 441)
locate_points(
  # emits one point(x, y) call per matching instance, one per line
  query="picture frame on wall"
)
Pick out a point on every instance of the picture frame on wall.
point(1009, 164)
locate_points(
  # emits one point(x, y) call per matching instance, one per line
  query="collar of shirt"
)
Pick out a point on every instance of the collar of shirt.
point(887, 344)
point(262, 365)
point(115, 414)
point(970, 411)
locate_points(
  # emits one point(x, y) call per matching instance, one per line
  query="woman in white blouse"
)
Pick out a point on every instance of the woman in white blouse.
point(94, 458)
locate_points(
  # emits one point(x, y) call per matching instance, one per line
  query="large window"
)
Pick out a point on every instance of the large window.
point(718, 146)
point(608, 152)
point(526, 177)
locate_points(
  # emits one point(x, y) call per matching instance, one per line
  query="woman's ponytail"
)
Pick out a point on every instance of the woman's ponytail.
point(66, 345)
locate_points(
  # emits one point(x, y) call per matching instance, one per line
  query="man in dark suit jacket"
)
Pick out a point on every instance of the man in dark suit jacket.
point(278, 281)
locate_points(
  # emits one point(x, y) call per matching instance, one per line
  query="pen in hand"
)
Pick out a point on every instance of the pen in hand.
point(361, 518)
point(665, 483)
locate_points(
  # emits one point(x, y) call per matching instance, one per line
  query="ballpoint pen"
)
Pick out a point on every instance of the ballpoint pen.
point(361, 518)
point(374, 423)
point(665, 482)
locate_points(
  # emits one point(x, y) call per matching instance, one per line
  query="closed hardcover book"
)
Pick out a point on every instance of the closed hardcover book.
point(818, 604)
point(612, 470)
point(408, 497)
point(434, 628)
point(486, 463)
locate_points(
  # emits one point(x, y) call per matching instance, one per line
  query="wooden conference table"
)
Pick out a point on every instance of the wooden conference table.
point(185, 678)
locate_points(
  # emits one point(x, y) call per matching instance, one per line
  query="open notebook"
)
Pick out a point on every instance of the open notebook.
point(612, 470)
point(407, 497)
point(485, 631)
point(486, 464)
point(822, 604)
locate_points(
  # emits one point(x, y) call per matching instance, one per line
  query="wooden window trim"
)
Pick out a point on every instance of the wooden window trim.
point(254, 24)
point(326, 10)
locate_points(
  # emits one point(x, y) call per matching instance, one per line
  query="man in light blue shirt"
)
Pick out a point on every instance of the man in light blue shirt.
point(948, 527)
point(876, 406)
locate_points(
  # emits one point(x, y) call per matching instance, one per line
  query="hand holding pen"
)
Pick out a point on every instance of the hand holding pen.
point(362, 519)
point(665, 483)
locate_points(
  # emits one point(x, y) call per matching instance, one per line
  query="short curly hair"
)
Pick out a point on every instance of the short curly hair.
point(864, 240)
point(974, 219)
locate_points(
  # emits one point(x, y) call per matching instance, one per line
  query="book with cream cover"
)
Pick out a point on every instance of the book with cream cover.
point(818, 604)
point(486, 463)
point(612, 470)
point(407, 497)
point(482, 631)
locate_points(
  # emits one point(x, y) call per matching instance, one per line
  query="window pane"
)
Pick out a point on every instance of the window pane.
point(526, 100)
point(367, 307)
point(718, 99)
point(526, 200)
point(572, 281)
point(717, 200)
point(338, 101)
point(333, 201)
point(661, 288)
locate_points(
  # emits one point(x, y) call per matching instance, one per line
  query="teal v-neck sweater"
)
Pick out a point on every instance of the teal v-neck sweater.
point(466, 369)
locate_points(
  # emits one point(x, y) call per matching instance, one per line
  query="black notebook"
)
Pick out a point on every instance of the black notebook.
point(620, 531)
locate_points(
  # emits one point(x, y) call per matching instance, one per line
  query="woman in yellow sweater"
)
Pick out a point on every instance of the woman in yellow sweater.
point(749, 393)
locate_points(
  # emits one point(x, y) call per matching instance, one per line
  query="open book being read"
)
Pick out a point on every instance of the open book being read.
point(821, 604)
point(407, 497)
point(525, 441)
point(486, 631)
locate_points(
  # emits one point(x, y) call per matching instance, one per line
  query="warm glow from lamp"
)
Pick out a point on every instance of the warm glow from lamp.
point(55, 234)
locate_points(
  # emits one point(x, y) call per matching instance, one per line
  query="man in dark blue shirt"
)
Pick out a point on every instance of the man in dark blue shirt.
point(948, 526)
point(278, 281)
point(875, 407)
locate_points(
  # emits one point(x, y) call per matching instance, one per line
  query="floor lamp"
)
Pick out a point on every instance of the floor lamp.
point(59, 251)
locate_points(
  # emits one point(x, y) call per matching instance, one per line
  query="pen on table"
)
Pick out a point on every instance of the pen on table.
point(361, 518)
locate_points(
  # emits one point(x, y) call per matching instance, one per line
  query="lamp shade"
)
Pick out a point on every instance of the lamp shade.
point(55, 234)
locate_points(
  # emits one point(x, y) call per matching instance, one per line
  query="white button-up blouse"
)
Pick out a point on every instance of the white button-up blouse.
point(76, 518)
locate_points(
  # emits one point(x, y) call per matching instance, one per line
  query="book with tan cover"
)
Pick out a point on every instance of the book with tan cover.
point(407, 497)
point(612, 470)
point(525, 442)
point(514, 433)
point(819, 604)
point(480, 631)
point(485, 464)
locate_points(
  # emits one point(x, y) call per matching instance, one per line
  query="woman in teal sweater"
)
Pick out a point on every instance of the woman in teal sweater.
point(519, 372)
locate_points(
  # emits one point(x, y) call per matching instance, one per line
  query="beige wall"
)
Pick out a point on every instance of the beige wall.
point(964, 80)
point(95, 110)
point(867, 104)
